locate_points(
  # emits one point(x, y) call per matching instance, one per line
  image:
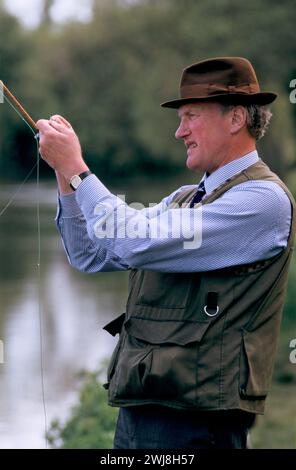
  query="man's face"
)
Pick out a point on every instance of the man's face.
point(206, 134)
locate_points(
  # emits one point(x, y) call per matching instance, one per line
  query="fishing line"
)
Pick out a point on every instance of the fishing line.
point(37, 166)
point(40, 289)
point(12, 199)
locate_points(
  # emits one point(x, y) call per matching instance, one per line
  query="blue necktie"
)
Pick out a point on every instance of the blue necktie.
point(199, 194)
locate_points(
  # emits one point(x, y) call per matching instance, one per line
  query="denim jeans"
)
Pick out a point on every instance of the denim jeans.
point(159, 427)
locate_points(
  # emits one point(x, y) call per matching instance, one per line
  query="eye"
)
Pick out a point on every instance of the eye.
point(192, 115)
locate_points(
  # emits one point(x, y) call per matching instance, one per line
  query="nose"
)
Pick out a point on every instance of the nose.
point(182, 131)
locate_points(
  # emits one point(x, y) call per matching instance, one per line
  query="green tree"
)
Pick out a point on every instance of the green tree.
point(109, 76)
point(92, 422)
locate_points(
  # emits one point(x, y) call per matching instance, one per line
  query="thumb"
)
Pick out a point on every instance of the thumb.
point(42, 124)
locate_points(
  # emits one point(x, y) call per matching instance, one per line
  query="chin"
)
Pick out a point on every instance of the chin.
point(193, 166)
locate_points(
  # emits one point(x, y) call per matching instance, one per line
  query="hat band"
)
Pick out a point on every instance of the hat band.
point(210, 89)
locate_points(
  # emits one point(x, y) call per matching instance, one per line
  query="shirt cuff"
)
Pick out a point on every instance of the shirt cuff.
point(90, 192)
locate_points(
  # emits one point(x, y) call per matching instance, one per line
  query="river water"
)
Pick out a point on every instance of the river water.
point(73, 307)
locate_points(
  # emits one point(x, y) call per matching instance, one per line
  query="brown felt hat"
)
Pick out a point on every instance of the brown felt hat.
point(227, 79)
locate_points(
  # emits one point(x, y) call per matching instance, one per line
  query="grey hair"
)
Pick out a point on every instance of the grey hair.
point(258, 118)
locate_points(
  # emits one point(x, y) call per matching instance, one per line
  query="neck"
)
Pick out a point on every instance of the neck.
point(236, 150)
point(237, 154)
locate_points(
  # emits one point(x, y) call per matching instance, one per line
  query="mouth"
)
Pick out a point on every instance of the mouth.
point(190, 145)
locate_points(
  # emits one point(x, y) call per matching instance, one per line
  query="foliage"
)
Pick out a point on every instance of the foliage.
point(277, 428)
point(92, 422)
point(109, 76)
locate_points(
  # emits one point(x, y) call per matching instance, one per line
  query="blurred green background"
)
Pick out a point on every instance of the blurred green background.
point(108, 77)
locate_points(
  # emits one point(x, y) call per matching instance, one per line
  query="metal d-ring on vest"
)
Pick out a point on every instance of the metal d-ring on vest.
point(211, 303)
point(211, 314)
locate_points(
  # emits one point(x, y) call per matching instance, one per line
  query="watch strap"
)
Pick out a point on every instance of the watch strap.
point(82, 175)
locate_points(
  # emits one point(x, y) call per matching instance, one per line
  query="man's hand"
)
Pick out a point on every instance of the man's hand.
point(60, 147)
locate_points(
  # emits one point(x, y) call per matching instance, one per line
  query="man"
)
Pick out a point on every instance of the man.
point(197, 342)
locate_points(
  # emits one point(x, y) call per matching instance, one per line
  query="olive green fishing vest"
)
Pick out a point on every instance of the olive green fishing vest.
point(202, 340)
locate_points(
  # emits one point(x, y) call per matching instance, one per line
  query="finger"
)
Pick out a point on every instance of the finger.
point(42, 125)
point(61, 128)
point(60, 119)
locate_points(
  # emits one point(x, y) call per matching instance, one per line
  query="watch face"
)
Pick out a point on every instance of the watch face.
point(75, 181)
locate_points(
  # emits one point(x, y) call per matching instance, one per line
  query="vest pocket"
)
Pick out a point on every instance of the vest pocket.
point(158, 360)
point(255, 368)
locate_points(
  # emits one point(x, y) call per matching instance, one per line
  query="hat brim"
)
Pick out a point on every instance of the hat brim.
point(231, 98)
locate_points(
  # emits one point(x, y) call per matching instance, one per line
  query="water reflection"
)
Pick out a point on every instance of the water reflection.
point(74, 307)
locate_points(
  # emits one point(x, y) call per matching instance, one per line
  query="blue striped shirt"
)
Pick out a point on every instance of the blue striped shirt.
point(249, 222)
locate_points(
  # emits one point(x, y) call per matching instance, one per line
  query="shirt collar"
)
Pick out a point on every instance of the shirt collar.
point(214, 180)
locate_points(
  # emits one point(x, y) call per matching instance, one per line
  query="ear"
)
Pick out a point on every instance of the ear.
point(238, 119)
